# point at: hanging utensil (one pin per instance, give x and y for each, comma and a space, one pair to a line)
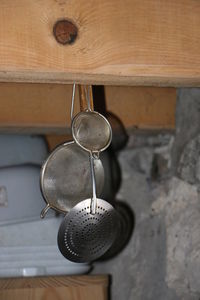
89, 229
65, 179
91, 130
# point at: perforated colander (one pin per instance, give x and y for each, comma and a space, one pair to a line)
83, 236
89, 229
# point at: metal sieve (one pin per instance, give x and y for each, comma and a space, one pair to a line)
90, 129
65, 178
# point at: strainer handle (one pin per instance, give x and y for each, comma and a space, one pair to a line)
94, 196
44, 211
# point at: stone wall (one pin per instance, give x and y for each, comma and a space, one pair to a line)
160, 174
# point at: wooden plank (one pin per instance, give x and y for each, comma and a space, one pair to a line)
56, 281
143, 107
131, 42
51, 288
45, 108
62, 293
54, 140
35, 108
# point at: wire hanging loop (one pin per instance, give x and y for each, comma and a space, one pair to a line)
73, 99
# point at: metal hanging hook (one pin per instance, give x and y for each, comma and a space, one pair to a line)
87, 94
85, 99
73, 97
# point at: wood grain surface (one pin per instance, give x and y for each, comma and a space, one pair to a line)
62, 293
55, 288
57, 281
129, 42
45, 108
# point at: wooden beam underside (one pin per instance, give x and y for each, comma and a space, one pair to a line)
129, 42
45, 108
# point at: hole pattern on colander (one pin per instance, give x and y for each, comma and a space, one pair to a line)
86, 236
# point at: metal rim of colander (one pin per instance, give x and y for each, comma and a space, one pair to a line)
81, 214
74, 135
42, 174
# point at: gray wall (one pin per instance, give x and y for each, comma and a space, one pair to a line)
160, 182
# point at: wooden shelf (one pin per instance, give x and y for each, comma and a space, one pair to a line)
132, 42
52, 288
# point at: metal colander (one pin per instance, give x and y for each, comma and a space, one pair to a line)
84, 237
89, 229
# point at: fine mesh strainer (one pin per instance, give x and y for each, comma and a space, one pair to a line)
89, 229
90, 129
65, 178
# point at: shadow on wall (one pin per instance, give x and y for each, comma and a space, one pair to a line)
113, 175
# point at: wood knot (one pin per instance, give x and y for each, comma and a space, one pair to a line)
65, 32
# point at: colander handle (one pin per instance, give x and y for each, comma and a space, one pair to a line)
93, 205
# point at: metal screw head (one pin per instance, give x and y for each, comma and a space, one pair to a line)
65, 32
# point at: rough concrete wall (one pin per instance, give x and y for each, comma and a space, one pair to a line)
162, 259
